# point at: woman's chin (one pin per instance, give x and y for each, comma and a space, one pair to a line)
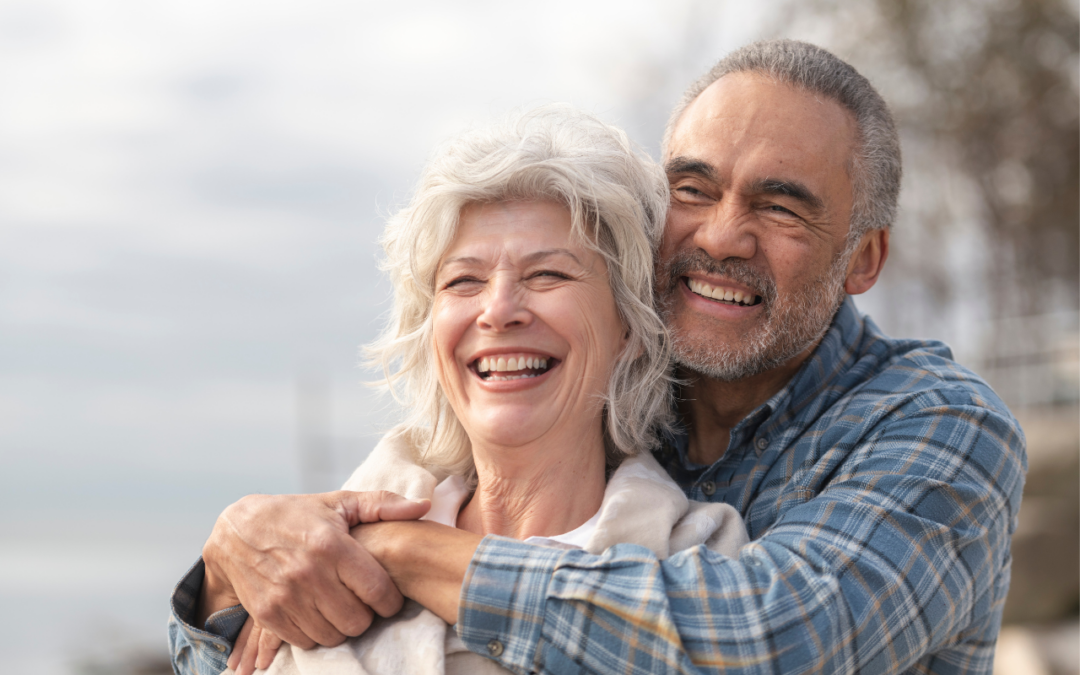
510, 435
511, 426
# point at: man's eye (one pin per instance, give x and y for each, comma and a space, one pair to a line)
776, 208
690, 195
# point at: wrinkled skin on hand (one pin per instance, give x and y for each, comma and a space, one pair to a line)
290, 561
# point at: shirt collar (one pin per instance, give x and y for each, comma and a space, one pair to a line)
815, 386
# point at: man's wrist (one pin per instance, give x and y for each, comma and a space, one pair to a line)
215, 594
427, 561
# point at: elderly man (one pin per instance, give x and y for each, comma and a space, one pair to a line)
879, 480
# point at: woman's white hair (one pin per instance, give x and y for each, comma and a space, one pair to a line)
617, 198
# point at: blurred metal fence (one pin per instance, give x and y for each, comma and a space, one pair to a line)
1031, 361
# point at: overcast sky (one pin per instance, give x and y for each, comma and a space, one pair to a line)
190, 194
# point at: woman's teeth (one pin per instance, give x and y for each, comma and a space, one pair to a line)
515, 367
719, 293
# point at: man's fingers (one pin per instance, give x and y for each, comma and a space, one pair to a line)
241, 640
293, 623
369, 581
251, 650
346, 612
398, 508
371, 507
268, 647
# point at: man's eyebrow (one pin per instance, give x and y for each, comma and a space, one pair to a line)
688, 165
788, 188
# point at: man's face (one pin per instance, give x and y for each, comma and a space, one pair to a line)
752, 264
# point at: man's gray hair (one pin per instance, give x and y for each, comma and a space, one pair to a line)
875, 163
617, 198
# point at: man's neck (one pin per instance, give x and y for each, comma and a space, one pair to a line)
711, 408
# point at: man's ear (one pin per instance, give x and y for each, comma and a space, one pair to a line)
867, 261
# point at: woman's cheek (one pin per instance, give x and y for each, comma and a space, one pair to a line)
450, 322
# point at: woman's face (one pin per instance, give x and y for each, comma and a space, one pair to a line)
525, 326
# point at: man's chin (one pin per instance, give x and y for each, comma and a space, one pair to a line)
727, 354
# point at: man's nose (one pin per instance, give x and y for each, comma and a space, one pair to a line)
504, 308
727, 232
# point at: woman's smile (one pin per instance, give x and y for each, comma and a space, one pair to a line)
512, 366
525, 329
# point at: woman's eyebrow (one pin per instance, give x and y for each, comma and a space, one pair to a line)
537, 256
529, 259
460, 260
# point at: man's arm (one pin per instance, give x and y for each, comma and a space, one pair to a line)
901, 555
426, 561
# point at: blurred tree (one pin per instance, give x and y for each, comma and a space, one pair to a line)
984, 90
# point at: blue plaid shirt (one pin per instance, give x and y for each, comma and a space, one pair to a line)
880, 487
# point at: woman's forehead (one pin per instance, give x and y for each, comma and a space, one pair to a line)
525, 228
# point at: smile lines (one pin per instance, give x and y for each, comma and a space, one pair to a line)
723, 294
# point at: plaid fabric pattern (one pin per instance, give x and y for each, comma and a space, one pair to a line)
194, 651
881, 488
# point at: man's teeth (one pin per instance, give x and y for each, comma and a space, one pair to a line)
719, 293
512, 364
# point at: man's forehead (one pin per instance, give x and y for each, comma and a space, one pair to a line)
741, 102
776, 130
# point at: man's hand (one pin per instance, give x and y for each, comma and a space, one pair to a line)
426, 561
255, 649
290, 561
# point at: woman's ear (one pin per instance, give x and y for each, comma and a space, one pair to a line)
867, 262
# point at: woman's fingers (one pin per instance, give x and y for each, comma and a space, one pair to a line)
268, 647
241, 641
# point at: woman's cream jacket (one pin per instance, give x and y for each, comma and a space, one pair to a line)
641, 505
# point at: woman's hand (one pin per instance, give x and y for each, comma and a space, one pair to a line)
255, 649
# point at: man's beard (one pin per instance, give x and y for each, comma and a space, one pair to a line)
791, 324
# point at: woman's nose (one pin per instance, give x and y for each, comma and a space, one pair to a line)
505, 309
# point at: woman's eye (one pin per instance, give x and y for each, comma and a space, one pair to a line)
460, 281
550, 273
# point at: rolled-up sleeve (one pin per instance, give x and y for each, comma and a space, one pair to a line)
899, 562
195, 651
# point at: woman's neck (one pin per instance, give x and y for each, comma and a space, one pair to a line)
543, 489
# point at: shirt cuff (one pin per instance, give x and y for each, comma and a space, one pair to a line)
196, 650
503, 598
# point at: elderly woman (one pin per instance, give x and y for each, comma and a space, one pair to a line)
524, 347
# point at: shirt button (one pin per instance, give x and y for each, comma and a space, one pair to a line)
495, 648
221, 648
762, 443
708, 487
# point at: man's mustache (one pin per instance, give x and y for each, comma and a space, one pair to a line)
735, 269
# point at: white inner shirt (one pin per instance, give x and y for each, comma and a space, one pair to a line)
450, 494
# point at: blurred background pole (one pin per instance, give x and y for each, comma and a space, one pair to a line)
314, 441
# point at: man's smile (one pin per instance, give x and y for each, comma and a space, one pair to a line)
731, 296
